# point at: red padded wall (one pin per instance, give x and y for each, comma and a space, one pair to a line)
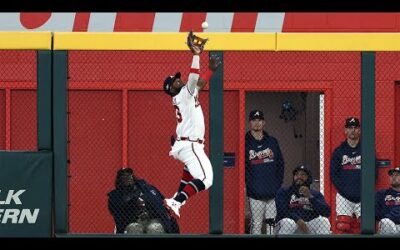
95, 155
23, 120
2, 120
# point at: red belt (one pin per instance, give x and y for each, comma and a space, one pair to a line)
187, 139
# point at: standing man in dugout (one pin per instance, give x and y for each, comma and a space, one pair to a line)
264, 172
188, 146
345, 172
387, 205
301, 209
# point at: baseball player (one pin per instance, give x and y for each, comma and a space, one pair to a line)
301, 209
264, 172
387, 205
345, 172
189, 142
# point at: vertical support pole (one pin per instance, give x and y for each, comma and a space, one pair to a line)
44, 98
60, 86
216, 208
368, 142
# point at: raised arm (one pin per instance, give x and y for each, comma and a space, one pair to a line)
213, 64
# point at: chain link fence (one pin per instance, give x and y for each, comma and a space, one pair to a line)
119, 118
301, 175
18, 79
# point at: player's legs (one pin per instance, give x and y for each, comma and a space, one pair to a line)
186, 177
387, 226
257, 211
270, 214
319, 225
286, 226
200, 169
356, 222
344, 213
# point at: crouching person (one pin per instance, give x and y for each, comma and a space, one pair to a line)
301, 209
137, 206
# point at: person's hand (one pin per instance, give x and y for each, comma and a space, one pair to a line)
302, 226
305, 191
214, 62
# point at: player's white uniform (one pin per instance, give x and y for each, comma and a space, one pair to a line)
189, 147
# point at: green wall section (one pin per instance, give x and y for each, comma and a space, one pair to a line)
217, 148
25, 213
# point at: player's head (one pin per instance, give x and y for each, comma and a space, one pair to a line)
256, 120
125, 178
352, 128
394, 178
302, 176
173, 84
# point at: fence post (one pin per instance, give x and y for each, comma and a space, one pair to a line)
60, 68
44, 110
216, 209
368, 142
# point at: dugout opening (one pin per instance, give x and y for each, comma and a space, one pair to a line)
296, 120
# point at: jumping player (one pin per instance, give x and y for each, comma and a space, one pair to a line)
189, 143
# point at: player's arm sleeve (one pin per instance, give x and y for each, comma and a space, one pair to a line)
319, 204
280, 164
334, 168
246, 154
378, 206
194, 74
394, 214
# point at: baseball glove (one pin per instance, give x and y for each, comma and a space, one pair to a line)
196, 43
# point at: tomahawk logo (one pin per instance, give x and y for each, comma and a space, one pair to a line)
15, 215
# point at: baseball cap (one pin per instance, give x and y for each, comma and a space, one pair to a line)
256, 114
391, 171
352, 121
169, 80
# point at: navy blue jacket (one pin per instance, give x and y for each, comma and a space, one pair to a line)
345, 171
387, 205
264, 167
290, 204
123, 206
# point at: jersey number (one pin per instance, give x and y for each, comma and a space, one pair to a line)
178, 114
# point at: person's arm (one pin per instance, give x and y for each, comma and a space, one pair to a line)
194, 73
378, 206
319, 204
280, 164
335, 168
213, 64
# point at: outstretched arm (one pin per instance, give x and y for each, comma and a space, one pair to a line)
213, 65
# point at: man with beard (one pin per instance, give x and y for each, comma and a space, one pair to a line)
301, 209
387, 205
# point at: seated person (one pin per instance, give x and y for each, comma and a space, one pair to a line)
135, 201
301, 209
387, 205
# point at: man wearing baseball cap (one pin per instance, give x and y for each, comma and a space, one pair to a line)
345, 172
387, 205
264, 173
